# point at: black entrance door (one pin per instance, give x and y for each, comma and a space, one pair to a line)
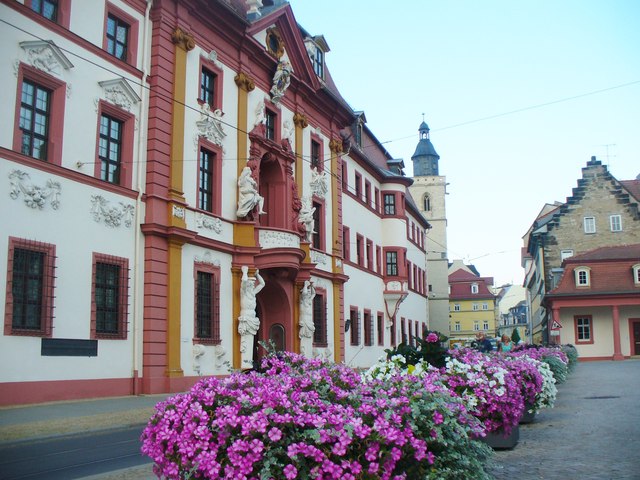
636, 337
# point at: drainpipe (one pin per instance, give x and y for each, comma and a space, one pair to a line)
138, 306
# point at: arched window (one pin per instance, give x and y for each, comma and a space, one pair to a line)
582, 276
426, 203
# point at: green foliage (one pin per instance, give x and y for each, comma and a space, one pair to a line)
430, 348
572, 354
558, 367
515, 336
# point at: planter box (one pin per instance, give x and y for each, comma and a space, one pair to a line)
498, 441
528, 417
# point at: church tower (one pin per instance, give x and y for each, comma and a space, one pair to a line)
429, 191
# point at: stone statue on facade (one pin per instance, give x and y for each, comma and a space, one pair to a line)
281, 80
307, 327
305, 217
248, 196
248, 322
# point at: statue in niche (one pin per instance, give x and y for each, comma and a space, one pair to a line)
307, 295
281, 80
248, 197
305, 217
249, 288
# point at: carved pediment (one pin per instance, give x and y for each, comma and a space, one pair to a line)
119, 92
46, 56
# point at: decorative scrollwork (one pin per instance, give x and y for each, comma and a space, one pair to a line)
112, 216
34, 196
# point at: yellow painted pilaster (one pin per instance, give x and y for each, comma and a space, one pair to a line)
174, 299
338, 334
300, 121
176, 212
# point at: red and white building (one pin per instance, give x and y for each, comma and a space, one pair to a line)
131, 122
596, 305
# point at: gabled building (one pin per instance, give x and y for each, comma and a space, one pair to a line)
472, 305
601, 212
596, 304
185, 182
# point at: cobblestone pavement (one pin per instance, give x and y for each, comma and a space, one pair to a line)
592, 433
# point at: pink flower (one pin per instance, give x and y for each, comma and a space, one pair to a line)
432, 337
290, 472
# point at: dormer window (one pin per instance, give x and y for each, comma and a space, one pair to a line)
582, 276
474, 288
318, 62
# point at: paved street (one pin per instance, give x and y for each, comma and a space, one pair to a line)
593, 433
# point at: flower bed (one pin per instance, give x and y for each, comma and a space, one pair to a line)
302, 418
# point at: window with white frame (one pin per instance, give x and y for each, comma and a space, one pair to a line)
636, 274
474, 288
584, 329
485, 306
589, 224
615, 221
456, 307
457, 327
485, 325
565, 254
582, 276
476, 326
476, 307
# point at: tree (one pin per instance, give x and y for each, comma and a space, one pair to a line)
515, 336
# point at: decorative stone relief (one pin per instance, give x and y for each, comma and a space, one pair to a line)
204, 221
319, 258
324, 353
281, 80
338, 262
34, 196
288, 131
112, 216
305, 217
273, 239
178, 212
210, 125
207, 258
198, 351
219, 352
319, 184
120, 93
213, 57
260, 115
46, 56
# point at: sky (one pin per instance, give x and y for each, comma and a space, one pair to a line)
518, 94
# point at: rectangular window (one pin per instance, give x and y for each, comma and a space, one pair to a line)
47, 8
380, 328
410, 332
389, 204
30, 283
270, 125
392, 264
315, 155
207, 304
360, 250
485, 306
616, 223
403, 330
110, 297
319, 320
476, 307
368, 328
485, 325
457, 327
476, 326
206, 180
346, 245
367, 193
207, 87
584, 332
117, 37
34, 119
376, 199
317, 240
354, 317
565, 254
379, 259
583, 278
393, 331
589, 225
456, 307
109, 148
318, 63
358, 186
370, 255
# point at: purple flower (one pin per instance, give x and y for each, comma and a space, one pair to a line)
432, 337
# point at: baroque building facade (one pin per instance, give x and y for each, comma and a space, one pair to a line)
186, 184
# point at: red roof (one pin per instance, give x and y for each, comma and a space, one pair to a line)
633, 187
610, 272
460, 285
